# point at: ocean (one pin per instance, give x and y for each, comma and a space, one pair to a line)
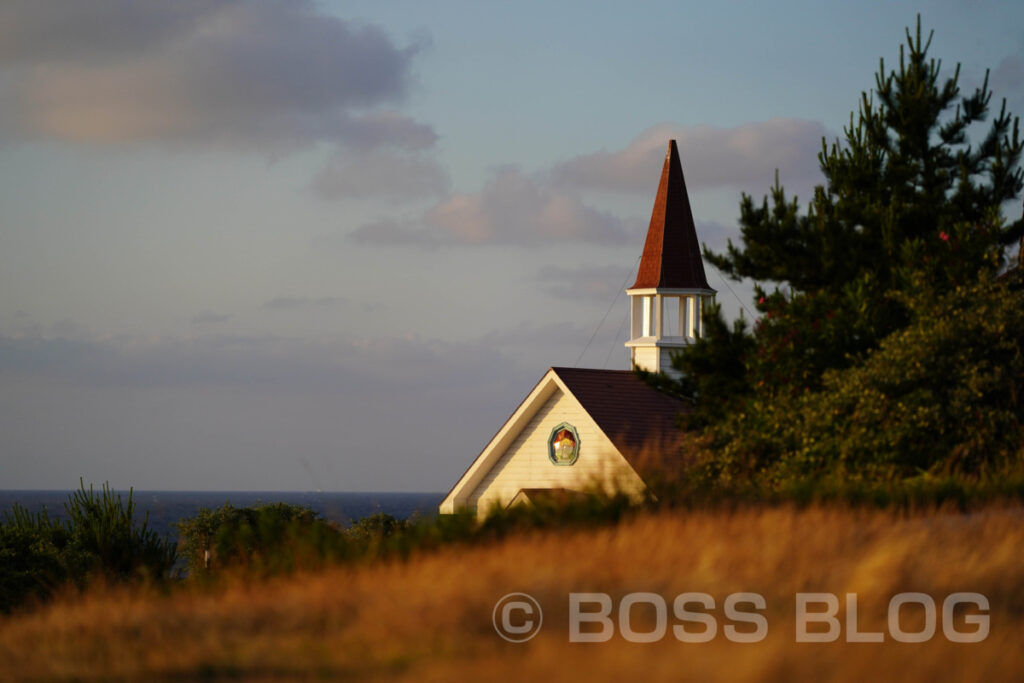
167, 507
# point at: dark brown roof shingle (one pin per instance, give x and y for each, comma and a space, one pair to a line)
640, 420
671, 257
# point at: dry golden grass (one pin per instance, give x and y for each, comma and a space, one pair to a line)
430, 618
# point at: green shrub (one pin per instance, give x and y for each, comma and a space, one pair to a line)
99, 541
103, 536
376, 527
559, 509
266, 539
940, 399
280, 538
31, 565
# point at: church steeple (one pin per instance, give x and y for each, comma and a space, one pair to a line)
667, 299
671, 257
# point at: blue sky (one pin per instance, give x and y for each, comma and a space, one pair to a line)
250, 244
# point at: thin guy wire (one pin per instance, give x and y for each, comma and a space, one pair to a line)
612, 305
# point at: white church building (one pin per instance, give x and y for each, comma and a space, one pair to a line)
582, 428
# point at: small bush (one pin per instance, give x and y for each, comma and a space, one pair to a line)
585, 508
102, 535
99, 541
280, 538
266, 539
31, 564
376, 527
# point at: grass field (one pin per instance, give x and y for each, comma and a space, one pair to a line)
430, 618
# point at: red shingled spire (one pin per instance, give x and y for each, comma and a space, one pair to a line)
671, 258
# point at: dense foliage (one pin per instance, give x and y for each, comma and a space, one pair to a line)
886, 349
99, 541
269, 538
280, 538
943, 395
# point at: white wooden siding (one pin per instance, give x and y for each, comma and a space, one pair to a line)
525, 463
646, 357
665, 354
654, 358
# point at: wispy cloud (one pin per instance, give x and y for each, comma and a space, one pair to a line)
163, 411
715, 236
585, 283
513, 208
711, 157
1008, 81
210, 318
367, 364
551, 206
388, 231
397, 177
305, 303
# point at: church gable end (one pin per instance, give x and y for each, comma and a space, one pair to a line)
522, 457
527, 463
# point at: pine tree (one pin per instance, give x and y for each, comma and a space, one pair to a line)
909, 206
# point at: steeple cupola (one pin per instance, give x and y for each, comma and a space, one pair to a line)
668, 298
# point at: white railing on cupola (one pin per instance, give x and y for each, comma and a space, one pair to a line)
662, 320
675, 317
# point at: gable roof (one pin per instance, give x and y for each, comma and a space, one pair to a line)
671, 257
635, 416
637, 419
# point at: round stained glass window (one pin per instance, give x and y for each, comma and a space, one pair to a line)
564, 444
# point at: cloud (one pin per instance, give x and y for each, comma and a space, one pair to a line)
82, 31
210, 318
386, 231
711, 157
305, 303
385, 174
187, 413
388, 129
549, 206
512, 209
270, 75
715, 236
541, 337
1009, 74
242, 361
587, 283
